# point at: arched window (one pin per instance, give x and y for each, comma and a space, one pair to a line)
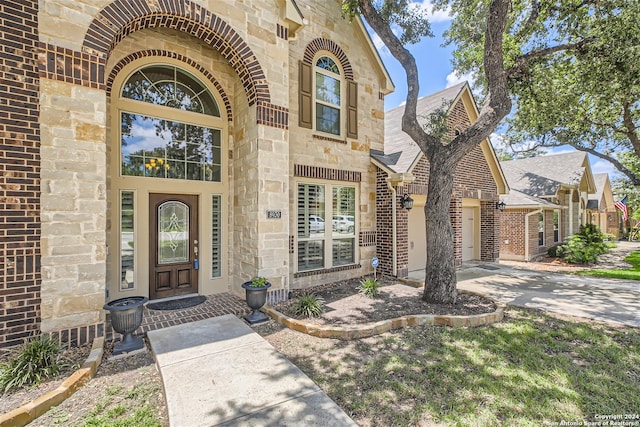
328, 97
166, 118
328, 101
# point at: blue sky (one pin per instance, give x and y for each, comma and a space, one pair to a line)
436, 73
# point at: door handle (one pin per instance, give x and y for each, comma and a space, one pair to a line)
196, 264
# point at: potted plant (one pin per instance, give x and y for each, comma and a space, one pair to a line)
256, 297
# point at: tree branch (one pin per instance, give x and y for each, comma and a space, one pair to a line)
635, 179
630, 126
523, 62
410, 123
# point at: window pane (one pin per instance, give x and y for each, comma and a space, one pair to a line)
171, 87
310, 255
216, 236
173, 232
540, 230
127, 237
311, 202
327, 119
159, 148
327, 89
328, 64
343, 252
343, 210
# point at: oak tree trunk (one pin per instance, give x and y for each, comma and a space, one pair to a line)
440, 274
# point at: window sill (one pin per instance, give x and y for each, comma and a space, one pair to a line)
329, 138
326, 270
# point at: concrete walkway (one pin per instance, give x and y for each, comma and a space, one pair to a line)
219, 372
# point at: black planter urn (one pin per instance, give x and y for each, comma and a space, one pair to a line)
126, 317
256, 297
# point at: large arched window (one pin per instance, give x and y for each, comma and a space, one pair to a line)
166, 116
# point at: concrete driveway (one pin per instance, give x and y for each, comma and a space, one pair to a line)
594, 298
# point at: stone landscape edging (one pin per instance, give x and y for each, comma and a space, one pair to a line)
28, 412
376, 328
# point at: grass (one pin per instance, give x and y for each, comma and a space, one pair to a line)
632, 273
121, 407
528, 370
118, 407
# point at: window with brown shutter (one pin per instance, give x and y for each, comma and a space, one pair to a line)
352, 109
305, 114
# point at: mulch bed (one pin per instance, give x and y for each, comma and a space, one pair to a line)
353, 305
71, 359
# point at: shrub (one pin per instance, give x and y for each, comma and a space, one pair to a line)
308, 305
369, 287
555, 251
36, 360
585, 246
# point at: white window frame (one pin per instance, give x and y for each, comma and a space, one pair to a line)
343, 94
329, 235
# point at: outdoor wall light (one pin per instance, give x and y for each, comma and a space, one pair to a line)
406, 202
501, 206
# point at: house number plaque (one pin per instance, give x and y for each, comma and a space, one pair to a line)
274, 214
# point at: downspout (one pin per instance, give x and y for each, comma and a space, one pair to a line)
526, 231
394, 232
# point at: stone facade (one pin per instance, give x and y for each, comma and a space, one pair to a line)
60, 182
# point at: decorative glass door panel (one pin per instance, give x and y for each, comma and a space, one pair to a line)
173, 230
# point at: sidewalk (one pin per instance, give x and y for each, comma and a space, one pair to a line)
219, 372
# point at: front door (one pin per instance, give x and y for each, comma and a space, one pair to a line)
173, 245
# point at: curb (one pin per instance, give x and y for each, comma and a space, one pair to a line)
32, 410
376, 328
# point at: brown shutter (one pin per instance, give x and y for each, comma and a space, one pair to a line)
352, 109
305, 100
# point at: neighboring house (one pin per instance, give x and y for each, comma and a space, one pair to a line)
162, 148
601, 209
404, 169
547, 203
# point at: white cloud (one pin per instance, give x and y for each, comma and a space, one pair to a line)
434, 16
379, 44
498, 141
455, 77
602, 166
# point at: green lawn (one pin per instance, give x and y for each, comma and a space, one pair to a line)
632, 273
529, 370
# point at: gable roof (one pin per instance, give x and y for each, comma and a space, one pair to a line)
401, 153
602, 182
516, 199
542, 176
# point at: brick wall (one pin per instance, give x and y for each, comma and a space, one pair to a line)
511, 238
19, 172
473, 176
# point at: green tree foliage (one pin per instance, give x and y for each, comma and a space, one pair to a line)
506, 44
586, 97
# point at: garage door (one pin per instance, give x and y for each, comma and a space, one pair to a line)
417, 239
469, 233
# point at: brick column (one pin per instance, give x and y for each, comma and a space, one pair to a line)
19, 172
